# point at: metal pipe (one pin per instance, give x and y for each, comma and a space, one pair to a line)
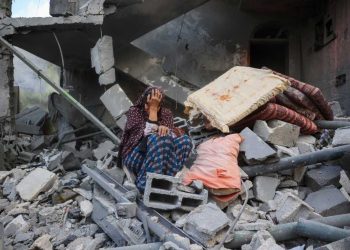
297, 161
287, 231
150, 246
64, 93
319, 231
332, 124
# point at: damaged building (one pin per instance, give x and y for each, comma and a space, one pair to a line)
270, 77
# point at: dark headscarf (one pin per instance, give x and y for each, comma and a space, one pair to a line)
136, 122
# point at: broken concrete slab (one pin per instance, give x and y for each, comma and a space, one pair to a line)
255, 226
42, 243
323, 176
3, 175
16, 225
63, 7
250, 214
277, 132
291, 208
286, 152
117, 103
309, 139
336, 108
305, 147
341, 137
86, 208
107, 77
265, 187
254, 147
37, 181
344, 181
205, 222
102, 56
262, 240
103, 149
328, 201
343, 244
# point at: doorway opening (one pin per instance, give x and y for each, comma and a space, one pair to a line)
269, 48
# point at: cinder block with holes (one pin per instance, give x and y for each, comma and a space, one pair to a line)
161, 193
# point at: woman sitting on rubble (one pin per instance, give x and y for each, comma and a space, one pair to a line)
150, 142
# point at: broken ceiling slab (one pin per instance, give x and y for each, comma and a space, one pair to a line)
117, 103
102, 57
234, 95
46, 23
148, 70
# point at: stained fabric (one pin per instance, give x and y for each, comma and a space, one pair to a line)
136, 123
273, 111
234, 95
216, 163
165, 155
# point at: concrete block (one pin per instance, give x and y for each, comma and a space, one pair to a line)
37, 181
117, 103
250, 214
254, 147
262, 240
306, 139
305, 147
283, 152
277, 132
255, 226
3, 175
344, 181
102, 56
341, 137
49, 215
328, 201
63, 7
265, 188
336, 108
291, 208
85, 208
161, 192
323, 176
107, 77
205, 222
43, 243
16, 225
299, 173
343, 244
103, 149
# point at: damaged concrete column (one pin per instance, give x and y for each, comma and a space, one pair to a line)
102, 59
6, 72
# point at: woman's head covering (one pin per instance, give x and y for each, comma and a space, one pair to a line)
136, 122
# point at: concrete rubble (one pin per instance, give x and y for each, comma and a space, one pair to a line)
61, 186
50, 206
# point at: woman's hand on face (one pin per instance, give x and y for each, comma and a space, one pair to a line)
154, 99
163, 130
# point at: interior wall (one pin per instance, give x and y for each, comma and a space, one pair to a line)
322, 67
207, 41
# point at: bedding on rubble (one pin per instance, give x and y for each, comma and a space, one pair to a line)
273, 111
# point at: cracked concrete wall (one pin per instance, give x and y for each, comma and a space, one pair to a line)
207, 41
32, 89
6, 69
322, 67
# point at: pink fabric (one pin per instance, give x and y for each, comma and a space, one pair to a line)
216, 164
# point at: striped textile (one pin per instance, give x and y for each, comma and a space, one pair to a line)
273, 111
164, 155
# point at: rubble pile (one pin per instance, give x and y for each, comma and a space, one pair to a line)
68, 193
